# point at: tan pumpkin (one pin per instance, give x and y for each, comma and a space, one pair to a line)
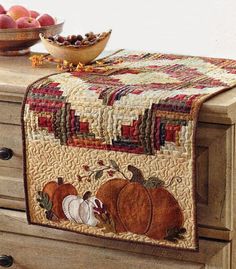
140, 210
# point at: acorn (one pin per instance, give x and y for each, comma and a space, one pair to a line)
71, 38
78, 43
59, 39
66, 43
79, 37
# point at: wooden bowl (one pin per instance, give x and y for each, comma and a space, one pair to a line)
75, 55
18, 41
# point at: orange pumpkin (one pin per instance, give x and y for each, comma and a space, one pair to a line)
56, 192
140, 210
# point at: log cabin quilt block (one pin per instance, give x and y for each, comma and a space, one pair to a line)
109, 150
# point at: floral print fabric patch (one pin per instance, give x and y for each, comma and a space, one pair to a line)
110, 151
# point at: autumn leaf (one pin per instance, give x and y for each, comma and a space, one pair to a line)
175, 234
106, 223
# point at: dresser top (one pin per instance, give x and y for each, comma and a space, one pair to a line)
16, 74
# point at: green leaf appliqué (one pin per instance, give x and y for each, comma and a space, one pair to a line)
98, 174
154, 182
44, 200
114, 165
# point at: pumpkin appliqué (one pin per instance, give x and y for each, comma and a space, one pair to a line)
51, 197
121, 204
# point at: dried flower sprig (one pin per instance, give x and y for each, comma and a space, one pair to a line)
62, 65
37, 60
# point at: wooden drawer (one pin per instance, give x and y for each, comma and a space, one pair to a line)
12, 188
33, 247
10, 137
215, 168
37, 253
10, 113
214, 173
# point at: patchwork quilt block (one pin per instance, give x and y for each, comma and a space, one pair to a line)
110, 152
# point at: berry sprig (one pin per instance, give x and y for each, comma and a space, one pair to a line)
96, 173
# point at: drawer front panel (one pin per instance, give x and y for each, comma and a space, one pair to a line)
11, 190
215, 165
10, 113
11, 183
211, 253
38, 253
10, 137
214, 171
95, 251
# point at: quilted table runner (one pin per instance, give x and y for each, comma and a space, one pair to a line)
109, 150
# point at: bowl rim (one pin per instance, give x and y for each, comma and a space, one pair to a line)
71, 47
60, 22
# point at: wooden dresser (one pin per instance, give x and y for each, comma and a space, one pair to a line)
34, 247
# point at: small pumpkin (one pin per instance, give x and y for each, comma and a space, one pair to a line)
139, 209
81, 209
56, 192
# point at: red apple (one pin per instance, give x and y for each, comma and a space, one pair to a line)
27, 22
34, 14
46, 20
17, 12
2, 10
6, 22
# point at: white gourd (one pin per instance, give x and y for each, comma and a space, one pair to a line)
79, 210
91, 219
70, 206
